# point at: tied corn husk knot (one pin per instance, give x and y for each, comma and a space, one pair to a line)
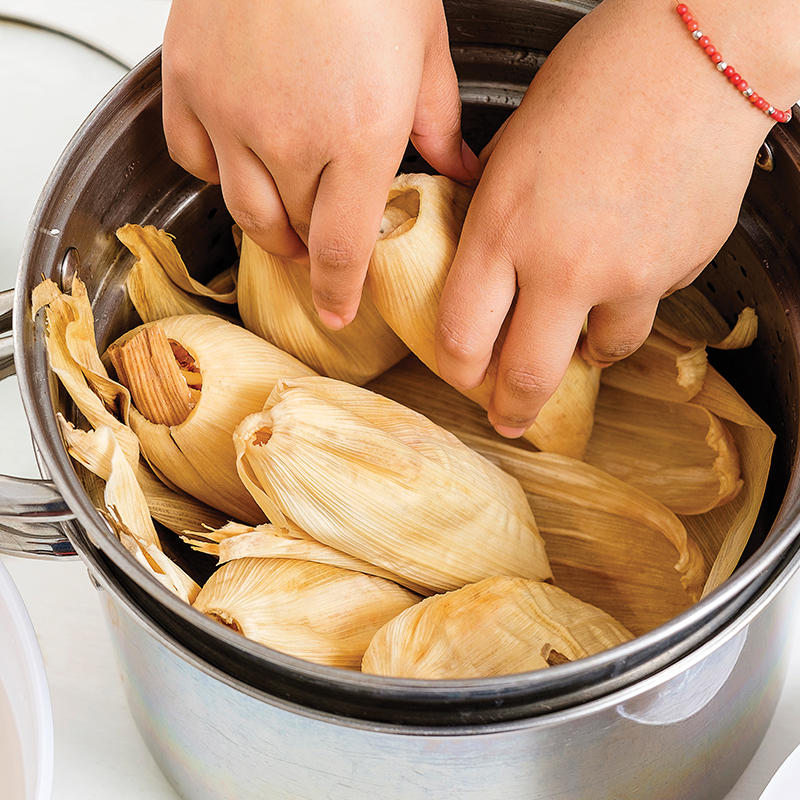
371, 478
497, 626
313, 611
408, 269
193, 378
275, 302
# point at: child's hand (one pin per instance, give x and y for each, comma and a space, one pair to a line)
614, 183
303, 110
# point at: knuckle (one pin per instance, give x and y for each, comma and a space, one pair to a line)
455, 340
617, 349
257, 224
526, 384
335, 256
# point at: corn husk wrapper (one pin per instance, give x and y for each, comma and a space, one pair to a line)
150, 244
371, 478
722, 533
660, 368
498, 626
680, 453
409, 266
235, 540
313, 611
275, 302
185, 432
687, 317
609, 544
153, 292
124, 504
72, 353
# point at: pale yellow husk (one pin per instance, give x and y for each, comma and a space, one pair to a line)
660, 368
125, 506
408, 270
151, 290
313, 611
238, 371
72, 353
680, 453
269, 541
275, 302
497, 626
688, 317
371, 478
609, 543
723, 532
157, 247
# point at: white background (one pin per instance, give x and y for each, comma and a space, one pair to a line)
47, 86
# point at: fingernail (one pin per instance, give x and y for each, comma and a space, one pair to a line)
508, 432
470, 161
331, 320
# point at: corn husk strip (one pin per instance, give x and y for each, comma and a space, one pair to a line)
498, 626
146, 364
99, 452
275, 302
723, 532
155, 296
313, 611
158, 563
73, 357
149, 244
238, 371
688, 317
408, 270
269, 541
679, 453
373, 479
226, 280
660, 368
175, 509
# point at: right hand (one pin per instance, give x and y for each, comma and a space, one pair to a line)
302, 111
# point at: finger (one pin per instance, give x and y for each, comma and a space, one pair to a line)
615, 330
345, 220
489, 148
253, 201
437, 121
541, 339
479, 290
297, 187
188, 142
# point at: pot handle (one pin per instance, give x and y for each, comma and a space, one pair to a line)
31, 511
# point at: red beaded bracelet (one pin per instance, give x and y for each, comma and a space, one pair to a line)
727, 70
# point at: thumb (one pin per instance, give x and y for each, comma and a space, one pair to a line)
437, 121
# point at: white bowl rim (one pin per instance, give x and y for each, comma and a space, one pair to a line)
31, 656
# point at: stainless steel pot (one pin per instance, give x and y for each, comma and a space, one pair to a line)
673, 714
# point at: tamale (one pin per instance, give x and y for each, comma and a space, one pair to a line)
314, 611
193, 378
366, 476
275, 302
497, 626
408, 270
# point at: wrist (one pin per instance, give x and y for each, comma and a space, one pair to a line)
762, 40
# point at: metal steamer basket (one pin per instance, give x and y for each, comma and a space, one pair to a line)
676, 713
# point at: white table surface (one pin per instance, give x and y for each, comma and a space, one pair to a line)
98, 752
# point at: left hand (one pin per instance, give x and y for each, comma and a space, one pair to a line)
615, 182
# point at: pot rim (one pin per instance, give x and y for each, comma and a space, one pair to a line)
728, 631
642, 655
